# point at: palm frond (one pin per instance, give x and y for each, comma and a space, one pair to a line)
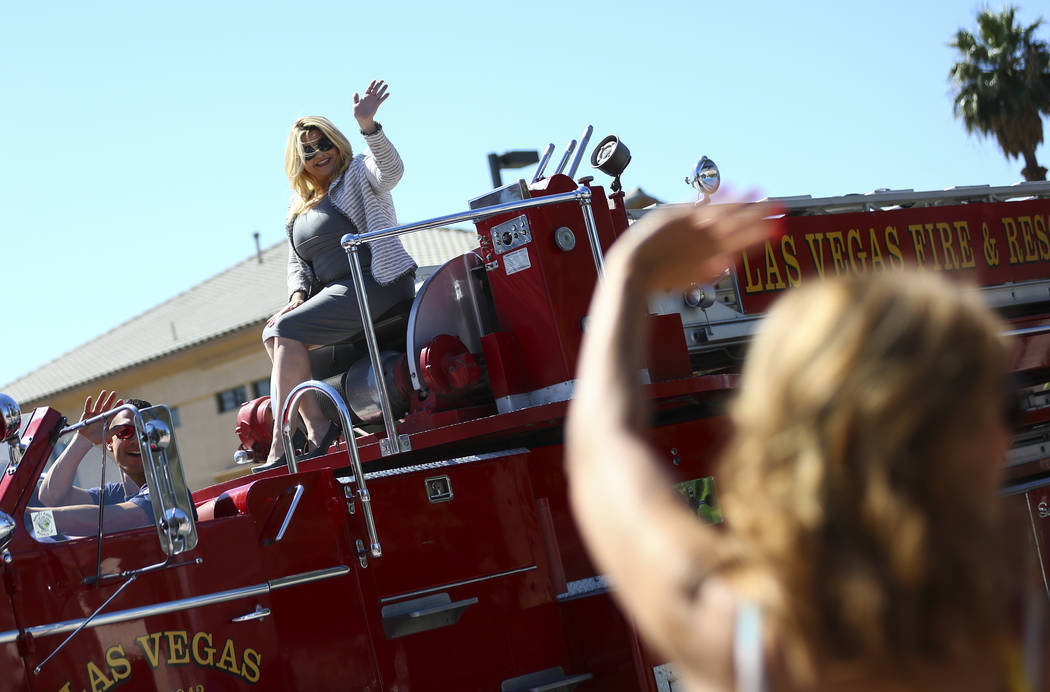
1001, 82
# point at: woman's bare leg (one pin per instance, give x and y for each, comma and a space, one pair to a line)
277, 441
291, 366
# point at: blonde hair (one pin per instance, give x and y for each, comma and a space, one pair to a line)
851, 473
295, 159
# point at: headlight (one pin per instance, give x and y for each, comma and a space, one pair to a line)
611, 157
699, 296
705, 178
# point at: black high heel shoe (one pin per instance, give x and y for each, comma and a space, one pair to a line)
278, 463
299, 441
333, 433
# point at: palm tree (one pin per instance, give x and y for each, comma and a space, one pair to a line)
1002, 85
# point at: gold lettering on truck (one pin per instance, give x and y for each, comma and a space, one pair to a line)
174, 648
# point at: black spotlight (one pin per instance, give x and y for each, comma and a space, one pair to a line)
611, 157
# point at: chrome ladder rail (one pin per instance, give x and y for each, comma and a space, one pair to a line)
288, 411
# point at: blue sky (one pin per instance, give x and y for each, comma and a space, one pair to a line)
144, 141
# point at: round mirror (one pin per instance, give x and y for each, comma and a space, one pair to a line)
10, 418
705, 178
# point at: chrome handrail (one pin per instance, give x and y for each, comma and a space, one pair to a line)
472, 215
592, 231
131, 408
288, 411
1026, 331
351, 241
291, 512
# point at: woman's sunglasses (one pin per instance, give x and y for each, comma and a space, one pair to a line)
323, 144
123, 432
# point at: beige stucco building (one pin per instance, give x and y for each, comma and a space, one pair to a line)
199, 353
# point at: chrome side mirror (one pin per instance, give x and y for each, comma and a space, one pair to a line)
7, 530
10, 424
10, 418
169, 493
705, 178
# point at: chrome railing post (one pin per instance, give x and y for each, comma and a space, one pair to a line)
583, 194
543, 162
353, 254
565, 157
584, 138
289, 409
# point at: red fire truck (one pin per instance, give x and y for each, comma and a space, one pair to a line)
436, 551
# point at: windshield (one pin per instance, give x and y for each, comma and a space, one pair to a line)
97, 468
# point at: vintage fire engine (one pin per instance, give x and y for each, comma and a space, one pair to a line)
437, 550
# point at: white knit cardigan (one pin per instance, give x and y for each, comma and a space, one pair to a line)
362, 194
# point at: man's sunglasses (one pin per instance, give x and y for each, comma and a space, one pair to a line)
123, 432
323, 144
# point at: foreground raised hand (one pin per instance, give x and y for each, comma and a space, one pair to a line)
93, 407
669, 250
365, 107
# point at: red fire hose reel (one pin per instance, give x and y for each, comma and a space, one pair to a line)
447, 367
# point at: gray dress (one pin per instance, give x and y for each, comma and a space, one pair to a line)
331, 315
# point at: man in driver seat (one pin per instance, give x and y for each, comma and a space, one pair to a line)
127, 501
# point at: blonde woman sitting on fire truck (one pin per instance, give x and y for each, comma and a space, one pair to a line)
73, 511
334, 193
859, 487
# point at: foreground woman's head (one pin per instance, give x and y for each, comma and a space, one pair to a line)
314, 140
871, 428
